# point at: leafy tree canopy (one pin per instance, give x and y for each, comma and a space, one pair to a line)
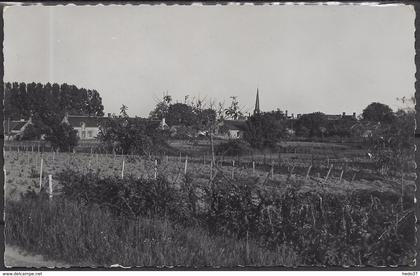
379, 113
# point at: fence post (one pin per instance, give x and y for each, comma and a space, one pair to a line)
307, 173
402, 191
328, 174
186, 164
40, 173
211, 169
50, 186
272, 169
233, 169
341, 175
253, 167
122, 170
155, 169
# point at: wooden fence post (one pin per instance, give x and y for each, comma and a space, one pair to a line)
307, 173
328, 174
122, 170
233, 169
40, 173
402, 191
155, 169
186, 164
341, 175
50, 186
211, 169
272, 169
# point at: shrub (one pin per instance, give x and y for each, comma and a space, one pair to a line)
232, 148
325, 228
87, 235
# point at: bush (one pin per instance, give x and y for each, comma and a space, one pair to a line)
363, 228
232, 148
325, 228
90, 235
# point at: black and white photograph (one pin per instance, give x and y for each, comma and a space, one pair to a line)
208, 136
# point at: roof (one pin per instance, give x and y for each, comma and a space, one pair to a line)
16, 125
90, 121
95, 121
234, 124
333, 117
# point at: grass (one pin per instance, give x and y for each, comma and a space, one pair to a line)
67, 231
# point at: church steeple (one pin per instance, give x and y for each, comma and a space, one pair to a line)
257, 104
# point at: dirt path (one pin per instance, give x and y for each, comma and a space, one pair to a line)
16, 257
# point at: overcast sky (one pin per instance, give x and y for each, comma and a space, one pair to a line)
302, 58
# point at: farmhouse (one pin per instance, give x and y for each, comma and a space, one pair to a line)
232, 129
15, 129
87, 127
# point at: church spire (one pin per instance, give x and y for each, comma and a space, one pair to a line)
257, 104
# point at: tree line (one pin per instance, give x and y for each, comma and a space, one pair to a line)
23, 100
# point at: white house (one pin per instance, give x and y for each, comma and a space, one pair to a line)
87, 127
232, 129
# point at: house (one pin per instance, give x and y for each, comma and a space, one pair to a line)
232, 129
14, 129
87, 127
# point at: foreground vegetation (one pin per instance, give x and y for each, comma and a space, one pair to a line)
72, 232
223, 222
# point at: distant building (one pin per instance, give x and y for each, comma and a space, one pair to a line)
342, 116
87, 127
257, 104
14, 129
232, 129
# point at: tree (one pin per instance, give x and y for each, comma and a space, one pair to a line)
22, 100
62, 136
264, 130
341, 127
379, 113
206, 118
123, 111
234, 111
311, 125
131, 135
181, 114
392, 144
161, 109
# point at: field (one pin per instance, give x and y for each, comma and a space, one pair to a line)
348, 173
284, 208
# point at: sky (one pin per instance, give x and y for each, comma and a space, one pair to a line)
302, 59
